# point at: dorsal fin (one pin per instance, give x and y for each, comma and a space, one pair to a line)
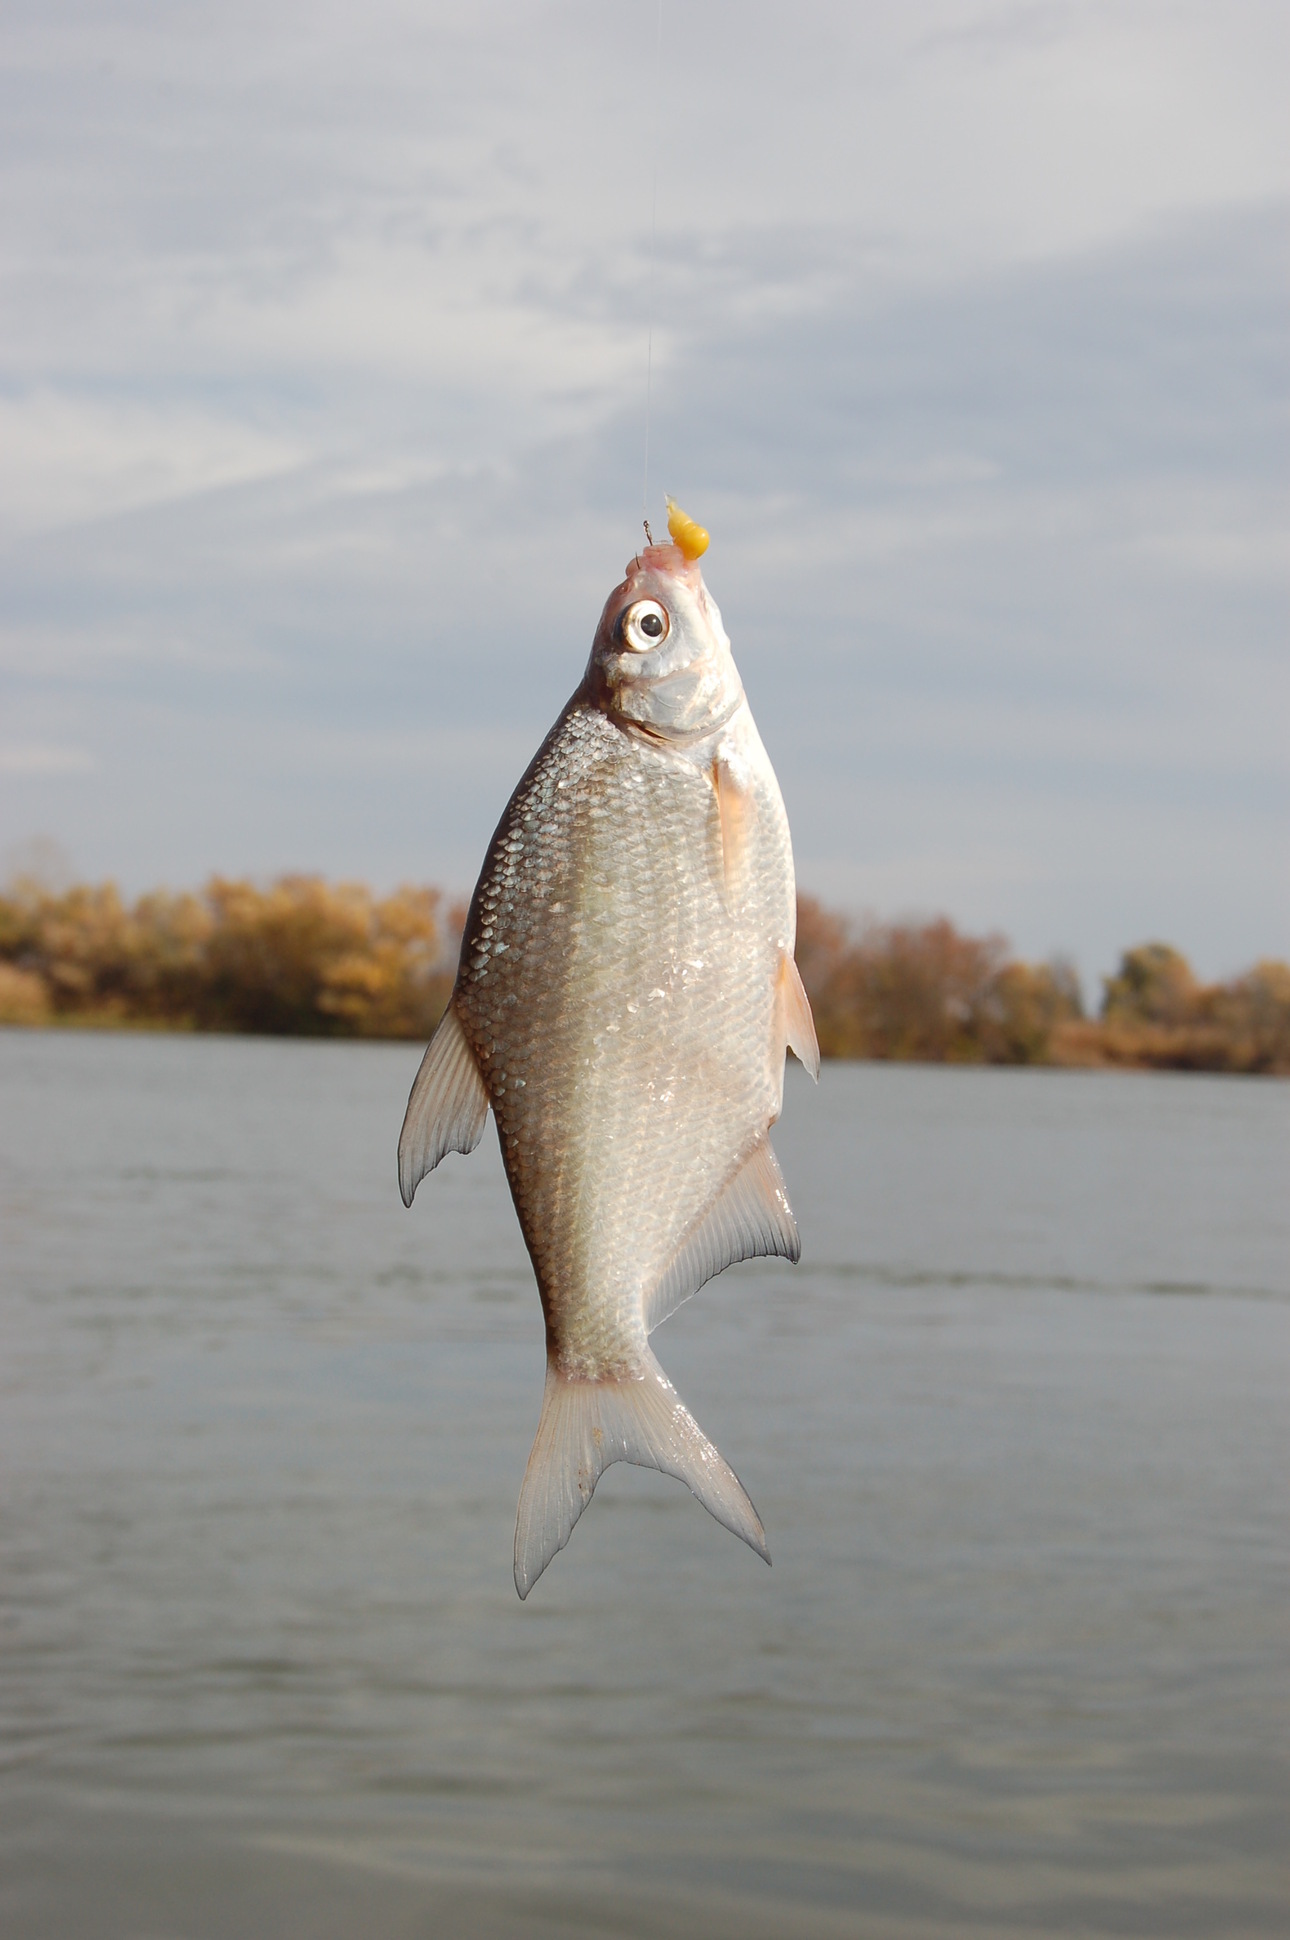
447, 1105
795, 1016
750, 1219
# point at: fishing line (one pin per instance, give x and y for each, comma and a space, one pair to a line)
653, 251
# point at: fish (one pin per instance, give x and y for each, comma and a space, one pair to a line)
624, 1002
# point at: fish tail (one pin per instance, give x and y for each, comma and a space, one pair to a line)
586, 1426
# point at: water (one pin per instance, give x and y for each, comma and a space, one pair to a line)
1016, 1427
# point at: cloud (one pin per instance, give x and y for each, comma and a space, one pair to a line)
65, 458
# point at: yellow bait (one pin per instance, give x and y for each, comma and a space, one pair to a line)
691, 538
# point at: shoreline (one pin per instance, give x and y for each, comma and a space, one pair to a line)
1116, 1059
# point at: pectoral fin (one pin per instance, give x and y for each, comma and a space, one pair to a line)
750, 1220
795, 1016
736, 809
446, 1108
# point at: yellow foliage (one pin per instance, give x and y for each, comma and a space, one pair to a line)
301, 957
24, 997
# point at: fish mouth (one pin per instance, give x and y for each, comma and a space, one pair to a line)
667, 559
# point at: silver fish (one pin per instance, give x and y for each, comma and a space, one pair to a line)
625, 996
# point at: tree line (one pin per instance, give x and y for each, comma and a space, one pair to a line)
304, 957
925, 991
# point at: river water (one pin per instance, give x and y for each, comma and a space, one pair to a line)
1016, 1427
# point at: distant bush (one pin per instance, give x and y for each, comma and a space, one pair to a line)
926, 991
300, 958
1155, 1012
23, 997
306, 958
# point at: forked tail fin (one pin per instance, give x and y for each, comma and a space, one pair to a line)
587, 1425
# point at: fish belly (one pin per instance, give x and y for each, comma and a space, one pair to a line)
618, 989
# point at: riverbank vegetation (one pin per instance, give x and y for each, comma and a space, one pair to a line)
303, 957
300, 958
926, 991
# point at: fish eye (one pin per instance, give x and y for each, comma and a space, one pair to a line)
643, 626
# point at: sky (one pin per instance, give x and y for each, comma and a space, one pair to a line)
323, 340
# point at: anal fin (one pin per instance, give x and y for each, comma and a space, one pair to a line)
447, 1106
751, 1219
795, 1016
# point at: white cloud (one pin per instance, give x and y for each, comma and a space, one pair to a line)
66, 458
469, 191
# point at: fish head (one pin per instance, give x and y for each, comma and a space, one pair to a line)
661, 661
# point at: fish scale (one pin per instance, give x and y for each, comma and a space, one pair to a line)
625, 996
